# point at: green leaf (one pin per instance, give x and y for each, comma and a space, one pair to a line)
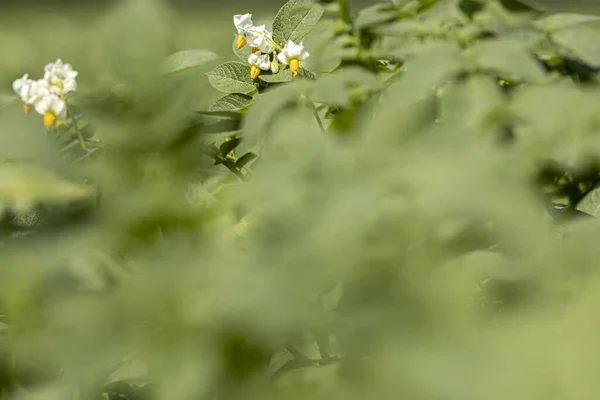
294, 20
229, 145
242, 53
591, 203
333, 89
232, 77
232, 114
315, 377
433, 63
582, 42
30, 184
326, 45
260, 116
469, 103
186, 59
496, 18
307, 74
231, 102
377, 14
564, 20
409, 102
556, 122
284, 75
519, 5
509, 58
245, 160
407, 27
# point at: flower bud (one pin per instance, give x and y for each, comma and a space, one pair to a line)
275, 65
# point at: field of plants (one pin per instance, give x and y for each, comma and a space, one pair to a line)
323, 199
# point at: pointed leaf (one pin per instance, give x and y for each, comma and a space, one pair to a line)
469, 103
307, 74
245, 160
22, 183
591, 203
582, 42
232, 77
508, 58
242, 53
332, 89
294, 20
284, 75
377, 14
564, 20
229, 145
260, 116
186, 59
232, 102
232, 114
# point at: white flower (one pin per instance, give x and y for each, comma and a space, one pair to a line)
61, 77
38, 90
22, 87
258, 62
260, 38
52, 107
292, 54
243, 24
30, 91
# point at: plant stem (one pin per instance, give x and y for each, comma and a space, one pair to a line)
345, 13
68, 146
293, 351
316, 114
77, 131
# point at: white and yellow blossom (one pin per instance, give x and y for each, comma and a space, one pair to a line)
23, 87
47, 95
30, 91
243, 24
292, 54
260, 39
52, 107
61, 77
258, 62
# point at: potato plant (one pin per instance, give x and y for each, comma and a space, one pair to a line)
398, 201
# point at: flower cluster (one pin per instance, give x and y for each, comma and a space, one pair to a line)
266, 54
47, 95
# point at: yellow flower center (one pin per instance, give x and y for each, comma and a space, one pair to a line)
49, 119
241, 42
26, 108
254, 71
294, 66
254, 49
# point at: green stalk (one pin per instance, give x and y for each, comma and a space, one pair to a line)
77, 131
345, 13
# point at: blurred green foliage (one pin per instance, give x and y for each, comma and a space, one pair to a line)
397, 221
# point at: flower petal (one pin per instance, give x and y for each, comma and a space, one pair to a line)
282, 58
